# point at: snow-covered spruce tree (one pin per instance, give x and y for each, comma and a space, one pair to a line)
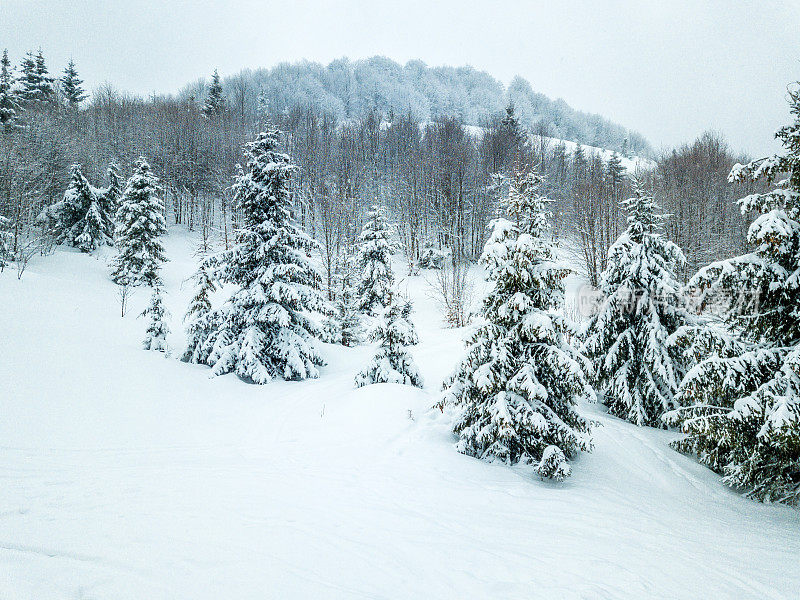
516, 389
36, 85
71, 86
264, 330
392, 362
197, 316
157, 328
215, 102
636, 370
374, 287
46, 91
741, 408
79, 219
140, 222
110, 196
8, 104
348, 318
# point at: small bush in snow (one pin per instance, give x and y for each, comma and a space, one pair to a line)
433, 257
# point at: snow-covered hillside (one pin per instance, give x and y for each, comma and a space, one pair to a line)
631, 164
127, 475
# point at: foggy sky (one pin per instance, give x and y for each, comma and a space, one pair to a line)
670, 70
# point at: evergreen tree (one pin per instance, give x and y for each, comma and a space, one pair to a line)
46, 91
36, 85
636, 370
615, 172
215, 102
512, 129
374, 260
742, 404
348, 317
8, 105
157, 328
265, 330
28, 80
392, 363
110, 196
71, 86
515, 391
79, 219
197, 315
140, 222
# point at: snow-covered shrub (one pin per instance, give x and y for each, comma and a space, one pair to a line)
515, 391
635, 369
392, 363
433, 257
140, 222
80, 218
264, 329
741, 408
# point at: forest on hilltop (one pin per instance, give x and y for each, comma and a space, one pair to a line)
348, 89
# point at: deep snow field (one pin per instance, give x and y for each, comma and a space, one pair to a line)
126, 475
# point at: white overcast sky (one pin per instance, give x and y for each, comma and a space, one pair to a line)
669, 69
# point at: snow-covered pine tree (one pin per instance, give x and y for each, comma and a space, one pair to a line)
636, 370
140, 222
71, 86
511, 128
28, 80
36, 85
516, 389
373, 289
110, 196
615, 171
79, 219
8, 105
346, 315
215, 102
742, 405
197, 316
45, 82
392, 363
264, 329
157, 328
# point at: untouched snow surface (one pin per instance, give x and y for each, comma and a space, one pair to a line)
127, 476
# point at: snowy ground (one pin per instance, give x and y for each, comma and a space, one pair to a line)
127, 475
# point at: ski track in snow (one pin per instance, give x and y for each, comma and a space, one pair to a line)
125, 475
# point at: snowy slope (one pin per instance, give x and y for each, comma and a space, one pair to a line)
631, 164
127, 475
